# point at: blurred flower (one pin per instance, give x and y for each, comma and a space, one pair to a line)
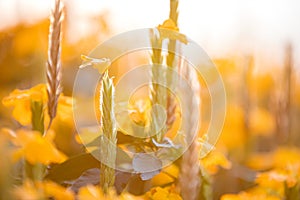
261, 122
284, 176
42, 190
248, 196
233, 128
213, 161
275, 179
91, 192
286, 156
35, 148
281, 158
36, 34
226, 67
260, 161
56, 191
167, 193
261, 84
27, 191
166, 176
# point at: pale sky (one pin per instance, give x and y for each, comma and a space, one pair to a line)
220, 27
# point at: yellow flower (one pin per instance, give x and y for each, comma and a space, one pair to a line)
276, 180
27, 191
286, 171
20, 100
139, 111
166, 176
37, 149
167, 193
91, 192
277, 177
126, 196
293, 177
272, 180
42, 190
260, 161
282, 158
214, 160
248, 196
285, 156
58, 192
169, 24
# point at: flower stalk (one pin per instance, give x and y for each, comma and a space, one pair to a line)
109, 137
189, 179
171, 81
54, 63
158, 93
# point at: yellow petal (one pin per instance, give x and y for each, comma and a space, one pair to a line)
37, 149
169, 24
89, 192
214, 160
20, 100
27, 191
22, 113
57, 191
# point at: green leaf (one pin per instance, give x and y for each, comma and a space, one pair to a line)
37, 117
292, 192
92, 177
72, 168
121, 139
123, 160
88, 177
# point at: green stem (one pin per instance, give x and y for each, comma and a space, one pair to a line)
35, 172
